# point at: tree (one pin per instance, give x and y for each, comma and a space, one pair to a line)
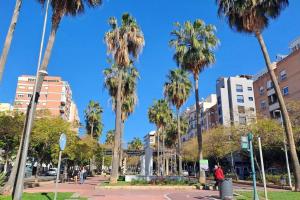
177, 89
194, 45
135, 144
11, 125
253, 17
129, 94
160, 114
110, 137
93, 119
9, 37
124, 44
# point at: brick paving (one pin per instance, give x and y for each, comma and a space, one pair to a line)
89, 190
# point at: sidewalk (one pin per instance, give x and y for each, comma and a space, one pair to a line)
90, 191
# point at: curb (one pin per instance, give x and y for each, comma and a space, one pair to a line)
147, 187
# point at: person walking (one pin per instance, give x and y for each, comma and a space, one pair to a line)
219, 176
81, 174
75, 175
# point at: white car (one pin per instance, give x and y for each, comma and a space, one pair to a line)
52, 172
185, 173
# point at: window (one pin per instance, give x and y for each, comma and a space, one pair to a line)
249, 88
272, 99
285, 91
241, 109
22, 87
269, 85
250, 98
20, 95
261, 90
251, 109
31, 79
29, 95
240, 98
263, 105
239, 88
242, 119
283, 75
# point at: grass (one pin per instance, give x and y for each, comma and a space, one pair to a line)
42, 196
271, 195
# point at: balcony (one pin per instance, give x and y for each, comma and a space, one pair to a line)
61, 109
63, 100
274, 106
271, 91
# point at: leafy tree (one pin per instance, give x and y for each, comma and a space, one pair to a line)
11, 126
194, 45
160, 114
124, 43
135, 144
253, 17
9, 36
93, 119
177, 89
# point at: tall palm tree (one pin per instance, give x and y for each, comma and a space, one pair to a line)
109, 138
93, 119
124, 43
135, 144
160, 114
177, 89
252, 17
9, 37
194, 45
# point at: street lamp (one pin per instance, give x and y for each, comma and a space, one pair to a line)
285, 149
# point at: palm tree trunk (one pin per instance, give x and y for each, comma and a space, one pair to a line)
164, 155
92, 130
285, 115
179, 144
121, 141
115, 160
9, 37
199, 131
158, 156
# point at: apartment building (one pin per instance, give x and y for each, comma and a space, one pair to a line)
55, 96
287, 69
208, 118
235, 100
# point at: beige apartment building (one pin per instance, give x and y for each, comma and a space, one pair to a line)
55, 96
287, 70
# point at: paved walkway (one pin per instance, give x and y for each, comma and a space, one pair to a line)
88, 190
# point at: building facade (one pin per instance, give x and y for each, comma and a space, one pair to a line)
235, 100
208, 118
287, 69
55, 96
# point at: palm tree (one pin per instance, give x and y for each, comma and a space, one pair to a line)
124, 43
253, 17
9, 37
177, 90
129, 95
109, 138
93, 119
135, 144
160, 114
194, 45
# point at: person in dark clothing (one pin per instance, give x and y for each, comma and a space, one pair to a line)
219, 175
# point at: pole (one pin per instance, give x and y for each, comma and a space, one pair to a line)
285, 152
250, 138
19, 180
57, 175
262, 168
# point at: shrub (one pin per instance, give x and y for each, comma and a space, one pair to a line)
2, 179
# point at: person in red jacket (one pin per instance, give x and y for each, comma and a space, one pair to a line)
219, 175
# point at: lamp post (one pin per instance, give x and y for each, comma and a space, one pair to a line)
285, 150
21, 163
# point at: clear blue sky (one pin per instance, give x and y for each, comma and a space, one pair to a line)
79, 53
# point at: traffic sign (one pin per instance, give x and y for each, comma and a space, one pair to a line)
62, 141
244, 143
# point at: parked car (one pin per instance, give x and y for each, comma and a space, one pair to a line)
52, 172
185, 173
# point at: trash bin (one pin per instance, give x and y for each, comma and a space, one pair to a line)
226, 191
